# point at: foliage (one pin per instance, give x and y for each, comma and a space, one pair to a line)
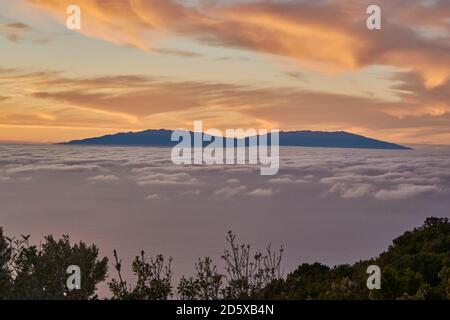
416, 266
39, 272
154, 279
206, 285
5, 271
246, 274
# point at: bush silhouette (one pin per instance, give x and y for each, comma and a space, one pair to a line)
415, 266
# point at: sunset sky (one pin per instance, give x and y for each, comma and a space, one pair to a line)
291, 65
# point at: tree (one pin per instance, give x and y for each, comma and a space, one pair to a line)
416, 266
32, 272
246, 274
154, 279
5, 272
206, 285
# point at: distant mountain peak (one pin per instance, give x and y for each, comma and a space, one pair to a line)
305, 138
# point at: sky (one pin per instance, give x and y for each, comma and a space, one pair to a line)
289, 65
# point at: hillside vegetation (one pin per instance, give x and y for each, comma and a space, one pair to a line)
415, 266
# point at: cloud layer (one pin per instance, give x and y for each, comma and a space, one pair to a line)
329, 36
334, 206
133, 102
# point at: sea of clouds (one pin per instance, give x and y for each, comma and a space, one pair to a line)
328, 205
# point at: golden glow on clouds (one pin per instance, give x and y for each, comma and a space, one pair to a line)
324, 49
327, 37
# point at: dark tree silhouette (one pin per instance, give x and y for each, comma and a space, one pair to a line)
32, 272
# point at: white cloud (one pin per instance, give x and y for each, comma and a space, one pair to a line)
285, 180
153, 196
352, 191
191, 193
50, 167
231, 191
166, 179
404, 191
261, 193
104, 178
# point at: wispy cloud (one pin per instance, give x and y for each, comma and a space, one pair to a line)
129, 101
14, 32
322, 35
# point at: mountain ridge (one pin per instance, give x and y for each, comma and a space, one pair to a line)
303, 138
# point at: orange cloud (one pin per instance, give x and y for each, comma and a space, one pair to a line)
329, 36
52, 99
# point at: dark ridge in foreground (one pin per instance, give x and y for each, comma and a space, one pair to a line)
162, 138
